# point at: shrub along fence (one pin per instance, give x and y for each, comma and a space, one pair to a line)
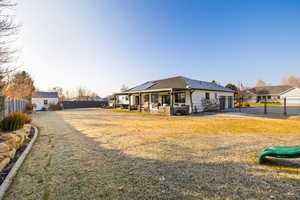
9, 105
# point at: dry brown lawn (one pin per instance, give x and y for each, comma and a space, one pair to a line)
107, 154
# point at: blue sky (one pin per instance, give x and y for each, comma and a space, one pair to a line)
102, 44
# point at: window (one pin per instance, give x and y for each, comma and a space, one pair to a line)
154, 98
180, 97
45, 102
269, 97
216, 96
126, 98
278, 97
166, 99
207, 95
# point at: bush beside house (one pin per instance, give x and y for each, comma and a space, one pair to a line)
53, 107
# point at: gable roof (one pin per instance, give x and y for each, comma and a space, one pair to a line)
271, 90
44, 95
179, 82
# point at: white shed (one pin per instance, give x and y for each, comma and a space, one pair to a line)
42, 100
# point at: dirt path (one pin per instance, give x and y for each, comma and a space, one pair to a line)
90, 154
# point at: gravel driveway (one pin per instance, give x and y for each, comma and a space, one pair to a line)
90, 154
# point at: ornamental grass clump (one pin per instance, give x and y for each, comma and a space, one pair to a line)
15, 121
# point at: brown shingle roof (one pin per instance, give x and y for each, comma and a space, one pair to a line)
174, 82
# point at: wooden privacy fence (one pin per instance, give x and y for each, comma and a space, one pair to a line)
9, 105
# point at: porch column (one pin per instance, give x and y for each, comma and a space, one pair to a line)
115, 101
171, 102
149, 101
191, 102
129, 101
140, 102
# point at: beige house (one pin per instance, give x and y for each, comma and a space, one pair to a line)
176, 95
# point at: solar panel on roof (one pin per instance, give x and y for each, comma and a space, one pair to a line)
205, 85
144, 86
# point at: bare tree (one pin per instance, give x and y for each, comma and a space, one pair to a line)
81, 92
60, 92
124, 88
8, 29
260, 83
67, 95
94, 96
292, 81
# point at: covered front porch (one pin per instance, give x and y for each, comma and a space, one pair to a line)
168, 101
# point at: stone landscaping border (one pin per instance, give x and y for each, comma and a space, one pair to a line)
9, 178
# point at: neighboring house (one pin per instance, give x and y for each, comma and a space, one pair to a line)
272, 94
42, 100
175, 94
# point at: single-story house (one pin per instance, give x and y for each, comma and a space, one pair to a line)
42, 100
272, 94
176, 95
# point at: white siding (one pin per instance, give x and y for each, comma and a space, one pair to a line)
292, 97
39, 102
123, 99
198, 95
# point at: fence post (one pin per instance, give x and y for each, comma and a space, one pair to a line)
284, 107
265, 108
